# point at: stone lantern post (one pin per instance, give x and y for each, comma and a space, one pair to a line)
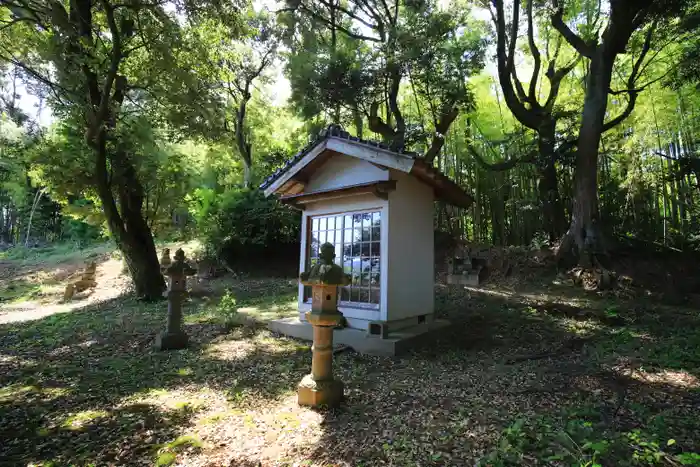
174, 336
319, 388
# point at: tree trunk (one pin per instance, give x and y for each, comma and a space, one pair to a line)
673, 193
37, 198
4, 212
584, 237
128, 227
141, 258
357, 117
244, 147
548, 185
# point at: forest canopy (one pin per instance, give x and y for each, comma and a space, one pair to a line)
573, 124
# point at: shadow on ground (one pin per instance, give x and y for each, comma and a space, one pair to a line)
71, 385
565, 377
66, 382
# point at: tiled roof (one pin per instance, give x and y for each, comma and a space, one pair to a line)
335, 131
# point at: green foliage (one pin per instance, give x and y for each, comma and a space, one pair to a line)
226, 310
186, 76
580, 438
167, 455
340, 74
244, 223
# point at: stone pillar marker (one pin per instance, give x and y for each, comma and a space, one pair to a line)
174, 336
319, 388
165, 260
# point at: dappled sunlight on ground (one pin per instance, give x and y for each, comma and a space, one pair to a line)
679, 379
271, 433
269, 313
543, 295
87, 387
261, 342
110, 284
37, 284
15, 391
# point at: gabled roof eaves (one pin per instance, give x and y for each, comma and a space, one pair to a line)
337, 132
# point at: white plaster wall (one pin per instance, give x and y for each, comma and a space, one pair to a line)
357, 317
341, 170
410, 281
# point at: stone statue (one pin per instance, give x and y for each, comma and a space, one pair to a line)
325, 271
87, 281
165, 260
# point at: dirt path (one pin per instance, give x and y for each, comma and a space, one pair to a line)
50, 283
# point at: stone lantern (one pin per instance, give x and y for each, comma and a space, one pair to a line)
174, 337
319, 388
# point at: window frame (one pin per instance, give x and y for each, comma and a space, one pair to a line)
306, 296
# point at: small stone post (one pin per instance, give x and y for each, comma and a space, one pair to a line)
319, 388
165, 260
174, 336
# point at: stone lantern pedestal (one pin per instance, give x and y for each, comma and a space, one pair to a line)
174, 337
320, 388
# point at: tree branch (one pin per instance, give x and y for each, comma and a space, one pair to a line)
54, 87
555, 78
350, 14
101, 116
631, 81
399, 134
327, 22
381, 26
447, 116
24, 8
137, 5
505, 66
501, 166
572, 38
15, 21
377, 125
535, 55
519, 89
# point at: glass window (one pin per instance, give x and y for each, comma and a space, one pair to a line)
356, 239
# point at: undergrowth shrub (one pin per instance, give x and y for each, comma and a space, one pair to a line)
582, 439
244, 228
226, 311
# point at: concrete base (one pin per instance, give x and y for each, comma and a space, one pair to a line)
165, 341
471, 277
317, 394
396, 342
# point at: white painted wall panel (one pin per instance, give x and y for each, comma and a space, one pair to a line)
341, 170
410, 279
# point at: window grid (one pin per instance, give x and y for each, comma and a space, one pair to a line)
356, 238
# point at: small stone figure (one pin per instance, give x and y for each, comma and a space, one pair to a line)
325, 271
165, 260
319, 388
87, 281
174, 336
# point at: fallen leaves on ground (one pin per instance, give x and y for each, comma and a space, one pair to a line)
87, 386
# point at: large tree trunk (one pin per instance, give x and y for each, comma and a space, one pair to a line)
126, 222
585, 237
548, 185
105, 94
141, 258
